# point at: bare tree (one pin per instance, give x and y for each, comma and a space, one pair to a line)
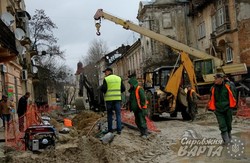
48, 54
42, 36
97, 49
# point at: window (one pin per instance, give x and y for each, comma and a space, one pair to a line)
203, 67
229, 54
164, 77
213, 23
220, 15
202, 30
219, 2
166, 20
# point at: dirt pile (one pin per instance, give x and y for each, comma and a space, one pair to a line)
72, 147
85, 122
160, 147
86, 149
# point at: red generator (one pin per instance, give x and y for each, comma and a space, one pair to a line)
39, 137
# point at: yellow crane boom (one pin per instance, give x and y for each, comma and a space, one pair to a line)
156, 36
234, 69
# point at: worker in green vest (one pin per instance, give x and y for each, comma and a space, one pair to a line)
222, 101
112, 88
138, 104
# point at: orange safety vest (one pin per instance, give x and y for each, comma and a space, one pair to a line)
138, 98
232, 100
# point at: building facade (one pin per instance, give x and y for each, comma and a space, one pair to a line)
14, 42
167, 18
221, 28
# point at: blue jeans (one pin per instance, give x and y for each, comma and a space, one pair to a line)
114, 106
6, 118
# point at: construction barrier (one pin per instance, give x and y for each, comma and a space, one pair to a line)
14, 132
129, 118
13, 137
243, 108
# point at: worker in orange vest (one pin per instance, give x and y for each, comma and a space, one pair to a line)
222, 101
137, 104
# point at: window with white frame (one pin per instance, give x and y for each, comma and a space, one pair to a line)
220, 15
202, 30
229, 54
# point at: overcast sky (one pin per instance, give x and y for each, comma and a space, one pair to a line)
76, 26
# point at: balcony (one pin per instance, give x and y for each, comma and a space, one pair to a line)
8, 49
223, 28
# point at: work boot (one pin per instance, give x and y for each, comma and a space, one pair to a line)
145, 137
225, 138
144, 132
141, 131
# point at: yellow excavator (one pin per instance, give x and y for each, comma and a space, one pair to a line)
169, 79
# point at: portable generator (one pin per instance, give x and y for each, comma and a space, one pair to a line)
39, 137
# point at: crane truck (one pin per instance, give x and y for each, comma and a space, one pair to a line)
164, 89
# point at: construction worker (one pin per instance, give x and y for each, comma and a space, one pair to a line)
112, 88
21, 110
137, 104
192, 102
5, 110
222, 100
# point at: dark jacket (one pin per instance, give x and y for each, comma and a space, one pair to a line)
22, 106
132, 98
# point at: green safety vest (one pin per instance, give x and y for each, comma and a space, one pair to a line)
113, 88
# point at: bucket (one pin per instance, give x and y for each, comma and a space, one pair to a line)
67, 123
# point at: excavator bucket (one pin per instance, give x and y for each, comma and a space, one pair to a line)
174, 81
